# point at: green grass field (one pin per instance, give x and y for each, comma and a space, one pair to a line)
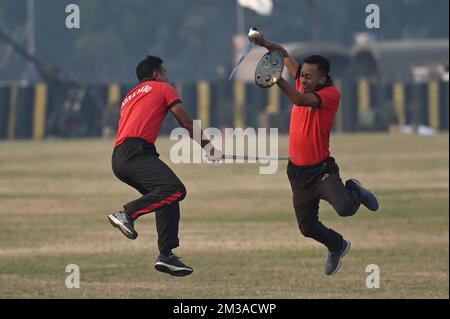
238, 228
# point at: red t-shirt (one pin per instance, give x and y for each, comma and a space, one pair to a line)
310, 128
144, 110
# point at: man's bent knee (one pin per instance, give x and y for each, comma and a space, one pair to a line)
180, 190
307, 229
347, 209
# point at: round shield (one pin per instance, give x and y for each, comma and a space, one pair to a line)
269, 69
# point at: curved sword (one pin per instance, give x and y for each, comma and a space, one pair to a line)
248, 48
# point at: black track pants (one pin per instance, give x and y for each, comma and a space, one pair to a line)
136, 163
310, 185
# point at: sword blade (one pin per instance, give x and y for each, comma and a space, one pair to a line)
248, 48
254, 158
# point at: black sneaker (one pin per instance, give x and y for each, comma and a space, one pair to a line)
334, 260
173, 266
368, 198
125, 223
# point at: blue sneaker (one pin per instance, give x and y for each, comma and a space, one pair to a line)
173, 266
368, 198
334, 260
125, 224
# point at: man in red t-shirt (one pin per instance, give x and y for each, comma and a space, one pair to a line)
312, 172
136, 162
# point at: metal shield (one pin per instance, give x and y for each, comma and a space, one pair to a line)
269, 69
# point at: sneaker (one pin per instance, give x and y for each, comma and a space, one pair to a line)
334, 260
173, 266
368, 198
125, 223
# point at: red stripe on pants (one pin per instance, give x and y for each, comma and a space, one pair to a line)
152, 207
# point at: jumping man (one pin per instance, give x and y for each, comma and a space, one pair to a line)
136, 162
312, 172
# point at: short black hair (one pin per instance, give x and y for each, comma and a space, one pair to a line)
322, 63
147, 66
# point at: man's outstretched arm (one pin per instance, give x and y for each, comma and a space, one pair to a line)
187, 123
309, 99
